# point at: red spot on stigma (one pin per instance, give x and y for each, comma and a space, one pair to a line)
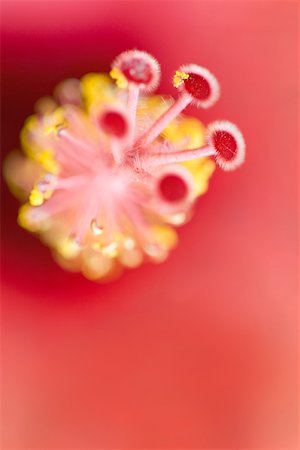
225, 144
113, 123
137, 70
197, 86
173, 188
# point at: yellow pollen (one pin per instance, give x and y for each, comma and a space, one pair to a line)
36, 198
46, 159
129, 243
97, 246
68, 248
131, 258
110, 250
54, 128
165, 236
121, 80
179, 78
177, 219
23, 219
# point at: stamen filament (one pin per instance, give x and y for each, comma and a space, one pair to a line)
69, 153
70, 138
116, 150
166, 118
81, 225
73, 149
71, 182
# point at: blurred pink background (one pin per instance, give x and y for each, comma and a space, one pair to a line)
201, 351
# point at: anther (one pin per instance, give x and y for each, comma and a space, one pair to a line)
36, 197
179, 77
69, 247
110, 250
47, 185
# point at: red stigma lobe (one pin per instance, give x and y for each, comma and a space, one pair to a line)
197, 86
225, 144
173, 188
137, 70
113, 123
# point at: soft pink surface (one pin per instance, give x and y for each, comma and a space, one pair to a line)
201, 351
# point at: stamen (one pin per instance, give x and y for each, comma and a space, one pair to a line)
95, 265
43, 190
47, 185
48, 161
164, 120
73, 148
68, 92
131, 258
36, 197
110, 250
68, 247
177, 219
62, 132
129, 243
32, 219
121, 80
72, 182
54, 128
156, 253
